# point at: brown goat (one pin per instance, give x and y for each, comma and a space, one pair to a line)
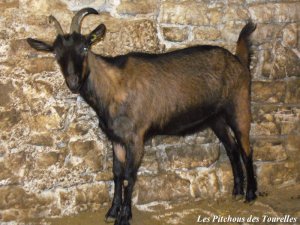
140, 95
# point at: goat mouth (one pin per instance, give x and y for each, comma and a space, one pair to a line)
74, 90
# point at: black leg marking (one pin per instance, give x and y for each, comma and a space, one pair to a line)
251, 180
134, 153
221, 130
240, 125
118, 171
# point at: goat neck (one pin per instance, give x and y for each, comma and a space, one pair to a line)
103, 81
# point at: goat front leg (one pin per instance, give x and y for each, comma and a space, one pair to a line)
119, 153
134, 153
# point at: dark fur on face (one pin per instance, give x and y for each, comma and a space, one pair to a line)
71, 52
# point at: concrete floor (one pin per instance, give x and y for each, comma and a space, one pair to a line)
282, 203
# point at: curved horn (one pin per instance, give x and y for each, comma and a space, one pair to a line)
57, 25
76, 21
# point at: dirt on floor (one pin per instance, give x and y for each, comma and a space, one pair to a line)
279, 206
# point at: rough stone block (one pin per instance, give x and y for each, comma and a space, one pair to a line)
184, 13
271, 120
93, 161
41, 139
45, 160
15, 162
5, 173
269, 150
43, 123
231, 30
285, 63
264, 129
269, 174
6, 90
290, 35
166, 140
293, 91
43, 7
76, 5
9, 118
81, 148
149, 163
162, 187
15, 197
92, 193
204, 137
191, 156
206, 33
265, 32
235, 12
215, 14
225, 176
6, 4
123, 36
39, 65
175, 34
268, 92
292, 145
205, 185
134, 7
289, 119
275, 12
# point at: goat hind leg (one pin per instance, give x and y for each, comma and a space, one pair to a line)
221, 130
239, 119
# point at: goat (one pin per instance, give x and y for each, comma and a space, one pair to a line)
138, 95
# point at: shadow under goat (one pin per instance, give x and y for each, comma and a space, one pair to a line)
138, 95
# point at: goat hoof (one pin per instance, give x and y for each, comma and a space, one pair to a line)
124, 216
112, 214
109, 219
122, 222
250, 197
238, 190
237, 197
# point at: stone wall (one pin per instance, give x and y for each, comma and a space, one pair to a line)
55, 161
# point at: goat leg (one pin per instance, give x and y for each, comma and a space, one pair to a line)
118, 171
222, 131
134, 153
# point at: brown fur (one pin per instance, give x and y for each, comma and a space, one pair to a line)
243, 114
243, 43
140, 95
120, 152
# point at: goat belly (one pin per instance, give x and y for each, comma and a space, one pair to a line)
188, 122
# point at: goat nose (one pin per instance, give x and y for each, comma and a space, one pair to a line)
71, 68
73, 80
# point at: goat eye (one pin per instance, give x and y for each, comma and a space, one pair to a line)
85, 49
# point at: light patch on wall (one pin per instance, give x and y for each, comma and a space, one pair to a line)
75, 5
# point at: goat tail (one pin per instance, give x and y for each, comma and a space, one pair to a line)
243, 44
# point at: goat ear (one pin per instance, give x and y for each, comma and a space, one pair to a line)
96, 34
39, 45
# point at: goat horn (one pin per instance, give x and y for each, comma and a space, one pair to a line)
57, 25
76, 21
